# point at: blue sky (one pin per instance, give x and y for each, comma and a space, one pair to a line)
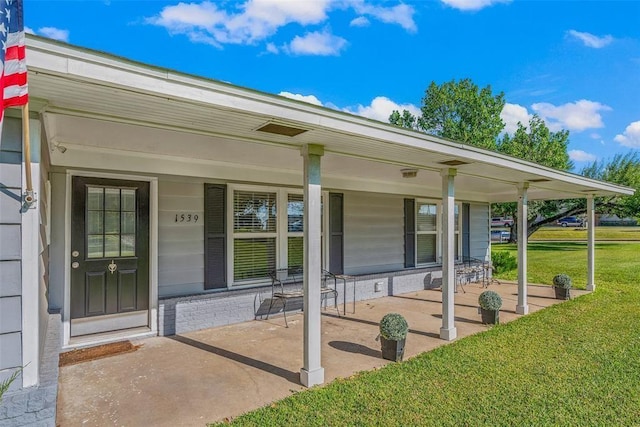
575, 63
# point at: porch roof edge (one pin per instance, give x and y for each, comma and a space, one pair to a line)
322, 117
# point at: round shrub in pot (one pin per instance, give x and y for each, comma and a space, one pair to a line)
490, 303
393, 334
562, 286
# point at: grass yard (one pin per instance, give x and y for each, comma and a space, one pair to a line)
577, 363
580, 234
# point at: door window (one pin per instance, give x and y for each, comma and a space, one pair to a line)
111, 222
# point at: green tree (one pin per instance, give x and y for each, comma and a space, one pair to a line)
458, 110
623, 169
461, 111
404, 120
536, 143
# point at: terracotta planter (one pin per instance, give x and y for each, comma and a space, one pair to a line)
392, 350
490, 317
562, 293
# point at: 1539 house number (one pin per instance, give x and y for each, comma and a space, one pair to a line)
186, 217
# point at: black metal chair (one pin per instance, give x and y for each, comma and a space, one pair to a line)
288, 284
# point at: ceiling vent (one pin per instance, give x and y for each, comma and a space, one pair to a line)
409, 173
453, 163
279, 129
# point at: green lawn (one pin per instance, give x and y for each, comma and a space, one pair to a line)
577, 233
576, 363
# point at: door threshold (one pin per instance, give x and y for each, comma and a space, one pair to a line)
107, 337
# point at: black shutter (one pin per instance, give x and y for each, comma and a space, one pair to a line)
466, 230
336, 233
215, 236
409, 233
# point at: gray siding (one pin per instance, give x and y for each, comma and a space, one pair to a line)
44, 234
180, 244
10, 249
373, 233
57, 249
479, 231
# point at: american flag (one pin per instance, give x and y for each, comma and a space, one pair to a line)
13, 80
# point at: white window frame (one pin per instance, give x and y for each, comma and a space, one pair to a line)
281, 235
438, 231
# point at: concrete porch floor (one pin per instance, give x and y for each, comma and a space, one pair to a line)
209, 375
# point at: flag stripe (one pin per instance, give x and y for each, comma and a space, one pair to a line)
14, 52
16, 100
13, 65
18, 79
12, 91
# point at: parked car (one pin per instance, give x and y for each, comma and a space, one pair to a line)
570, 221
500, 236
498, 221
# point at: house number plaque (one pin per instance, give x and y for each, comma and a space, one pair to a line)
186, 217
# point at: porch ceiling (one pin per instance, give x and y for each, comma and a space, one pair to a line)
92, 101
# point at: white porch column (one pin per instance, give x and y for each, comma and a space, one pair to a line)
312, 373
591, 240
33, 296
448, 330
523, 206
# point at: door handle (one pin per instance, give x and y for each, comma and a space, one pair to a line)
112, 267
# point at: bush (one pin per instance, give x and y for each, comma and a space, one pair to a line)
490, 300
4, 385
562, 281
394, 327
503, 261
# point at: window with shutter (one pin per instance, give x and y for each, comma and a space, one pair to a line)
295, 230
215, 237
245, 239
254, 234
409, 233
428, 231
336, 233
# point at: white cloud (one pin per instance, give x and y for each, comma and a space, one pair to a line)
381, 108
595, 135
54, 33
631, 136
219, 23
472, 5
575, 116
512, 114
581, 156
360, 21
29, 30
400, 14
317, 43
311, 99
591, 40
254, 21
272, 48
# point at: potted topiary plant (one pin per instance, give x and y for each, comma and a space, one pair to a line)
393, 334
490, 303
562, 286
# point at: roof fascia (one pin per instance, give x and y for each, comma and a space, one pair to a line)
65, 59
